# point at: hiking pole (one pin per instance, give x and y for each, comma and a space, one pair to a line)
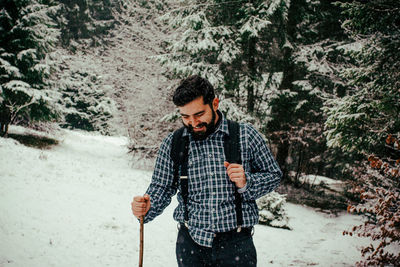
141, 242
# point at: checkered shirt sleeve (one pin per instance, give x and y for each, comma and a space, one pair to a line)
161, 188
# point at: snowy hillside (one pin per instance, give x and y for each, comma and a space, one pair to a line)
70, 206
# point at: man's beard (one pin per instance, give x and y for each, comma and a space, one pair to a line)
210, 128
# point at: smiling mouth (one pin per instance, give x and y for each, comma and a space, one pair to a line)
198, 128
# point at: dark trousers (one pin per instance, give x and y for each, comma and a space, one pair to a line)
228, 249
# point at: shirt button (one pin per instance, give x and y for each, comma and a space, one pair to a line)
209, 155
214, 193
211, 173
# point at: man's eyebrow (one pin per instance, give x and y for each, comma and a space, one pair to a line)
197, 113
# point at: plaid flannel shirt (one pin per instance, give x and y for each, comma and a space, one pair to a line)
211, 194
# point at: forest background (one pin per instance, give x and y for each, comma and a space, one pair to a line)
320, 79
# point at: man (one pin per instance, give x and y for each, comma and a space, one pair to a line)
211, 234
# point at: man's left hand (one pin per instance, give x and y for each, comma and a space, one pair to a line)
236, 173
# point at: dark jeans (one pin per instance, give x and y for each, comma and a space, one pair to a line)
229, 249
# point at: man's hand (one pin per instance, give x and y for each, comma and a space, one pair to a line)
236, 174
140, 205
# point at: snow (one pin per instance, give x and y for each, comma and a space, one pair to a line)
70, 206
351, 47
19, 86
332, 184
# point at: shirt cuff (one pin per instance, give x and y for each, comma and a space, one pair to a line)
243, 189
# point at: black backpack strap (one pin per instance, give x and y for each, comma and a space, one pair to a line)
232, 143
179, 155
232, 155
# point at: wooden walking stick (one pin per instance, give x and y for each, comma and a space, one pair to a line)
141, 242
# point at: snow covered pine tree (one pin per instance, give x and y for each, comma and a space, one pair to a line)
27, 34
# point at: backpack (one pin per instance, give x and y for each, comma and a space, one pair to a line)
179, 156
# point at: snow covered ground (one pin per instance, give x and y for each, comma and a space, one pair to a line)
70, 206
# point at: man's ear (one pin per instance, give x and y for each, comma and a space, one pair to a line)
215, 104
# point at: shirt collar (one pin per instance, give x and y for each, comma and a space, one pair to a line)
222, 127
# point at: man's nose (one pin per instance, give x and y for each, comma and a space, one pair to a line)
193, 122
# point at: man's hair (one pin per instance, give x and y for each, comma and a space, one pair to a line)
191, 88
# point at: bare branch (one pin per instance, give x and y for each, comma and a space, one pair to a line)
18, 109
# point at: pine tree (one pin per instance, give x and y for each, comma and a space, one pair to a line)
234, 44
85, 20
27, 34
361, 120
366, 122
84, 103
310, 66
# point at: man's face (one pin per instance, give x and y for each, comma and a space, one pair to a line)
199, 118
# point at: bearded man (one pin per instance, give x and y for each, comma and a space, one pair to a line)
217, 209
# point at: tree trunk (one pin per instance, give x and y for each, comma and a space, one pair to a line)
252, 73
289, 75
5, 119
282, 154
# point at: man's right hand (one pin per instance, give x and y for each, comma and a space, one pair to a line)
140, 205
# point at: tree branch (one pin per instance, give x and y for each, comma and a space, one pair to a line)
17, 110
